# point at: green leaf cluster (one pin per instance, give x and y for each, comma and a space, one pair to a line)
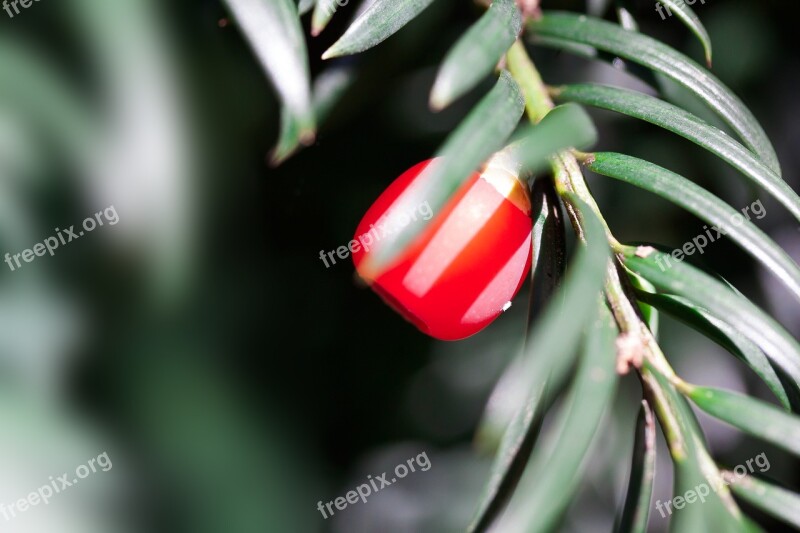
599, 322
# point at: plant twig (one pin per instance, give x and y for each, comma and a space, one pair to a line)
537, 101
569, 178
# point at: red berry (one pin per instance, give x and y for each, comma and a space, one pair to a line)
462, 271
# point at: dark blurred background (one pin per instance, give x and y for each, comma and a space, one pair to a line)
233, 379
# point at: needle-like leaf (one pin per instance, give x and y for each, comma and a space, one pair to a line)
636, 512
771, 499
329, 88
649, 312
687, 125
687, 15
476, 52
272, 27
662, 58
304, 6
676, 278
548, 355
323, 13
752, 416
554, 471
379, 22
548, 263
693, 465
723, 219
721, 333
566, 126
548, 246
479, 135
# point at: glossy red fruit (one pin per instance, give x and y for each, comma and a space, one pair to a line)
469, 262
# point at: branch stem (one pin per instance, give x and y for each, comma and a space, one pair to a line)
569, 178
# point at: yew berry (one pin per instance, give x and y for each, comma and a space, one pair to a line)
462, 271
